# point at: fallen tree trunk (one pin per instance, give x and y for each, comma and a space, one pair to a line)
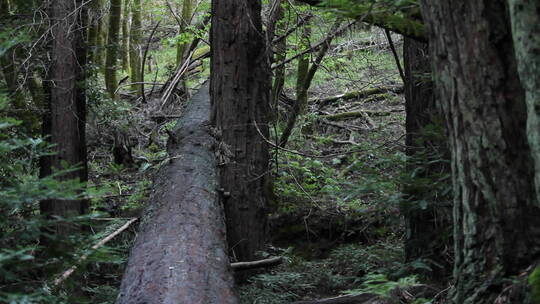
180, 255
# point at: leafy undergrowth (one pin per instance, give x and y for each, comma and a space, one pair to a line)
337, 196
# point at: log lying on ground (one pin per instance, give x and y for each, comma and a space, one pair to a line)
180, 255
322, 102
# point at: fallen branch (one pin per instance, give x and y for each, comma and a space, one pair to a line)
70, 271
355, 94
348, 299
257, 264
356, 114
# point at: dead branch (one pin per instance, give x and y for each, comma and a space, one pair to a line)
356, 114
70, 271
348, 299
325, 41
356, 94
257, 264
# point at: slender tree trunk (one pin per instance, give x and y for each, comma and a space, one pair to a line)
525, 19
102, 42
305, 76
135, 45
187, 12
113, 43
280, 49
64, 122
94, 24
427, 212
125, 36
240, 89
496, 232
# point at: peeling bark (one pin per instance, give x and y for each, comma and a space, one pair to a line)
180, 255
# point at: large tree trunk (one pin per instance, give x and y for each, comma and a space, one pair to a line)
525, 18
496, 232
180, 254
240, 87
427, 213
64, 121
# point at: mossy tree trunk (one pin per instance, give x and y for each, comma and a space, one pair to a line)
182, 46
113, 45
496, 231
525, 19
135, 45
240, 91
426, 210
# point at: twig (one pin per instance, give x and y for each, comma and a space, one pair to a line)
70, 271
144, 60
317, 45
323, 156
394, 52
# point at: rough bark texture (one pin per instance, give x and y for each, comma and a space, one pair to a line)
525, 19
64, 121
495, 215
428, 224
240, 89
180, 254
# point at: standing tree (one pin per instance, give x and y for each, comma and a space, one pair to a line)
240, 89
426, 210
113, 43
525, 18
496, 232
135, 45
64, 121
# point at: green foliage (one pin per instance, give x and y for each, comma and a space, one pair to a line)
21, 225
381, 285
534, 283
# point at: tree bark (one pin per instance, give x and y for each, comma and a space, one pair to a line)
64, 121
180, 255
496, 232
428, 232
240, 90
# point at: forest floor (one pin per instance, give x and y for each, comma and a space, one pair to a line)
335, 215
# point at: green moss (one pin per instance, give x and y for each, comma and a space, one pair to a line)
534, 282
